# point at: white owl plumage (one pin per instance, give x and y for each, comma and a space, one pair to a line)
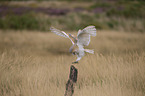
82, 39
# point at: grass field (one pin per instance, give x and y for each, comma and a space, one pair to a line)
110, 15
37, 64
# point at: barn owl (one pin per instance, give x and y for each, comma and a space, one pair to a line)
81, 40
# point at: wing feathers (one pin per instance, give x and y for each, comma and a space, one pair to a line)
90, 30
58, 32
84, 35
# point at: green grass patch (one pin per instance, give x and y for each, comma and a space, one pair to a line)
128, 16
127, 10
25, 21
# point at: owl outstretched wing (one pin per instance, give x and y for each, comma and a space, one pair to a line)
84, 35
60, 33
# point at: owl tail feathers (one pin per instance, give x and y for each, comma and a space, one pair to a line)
89, 51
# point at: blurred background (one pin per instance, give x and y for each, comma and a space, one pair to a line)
126, 15
36, 62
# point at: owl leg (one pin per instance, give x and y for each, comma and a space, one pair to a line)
79, 58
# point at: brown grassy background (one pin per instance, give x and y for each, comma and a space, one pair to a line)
37, 64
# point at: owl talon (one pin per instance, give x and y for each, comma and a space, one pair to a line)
75, 62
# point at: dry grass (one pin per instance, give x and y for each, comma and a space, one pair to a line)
37, 64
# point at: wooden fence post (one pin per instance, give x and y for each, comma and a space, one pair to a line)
71, 81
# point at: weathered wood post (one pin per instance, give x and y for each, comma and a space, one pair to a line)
71, 81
